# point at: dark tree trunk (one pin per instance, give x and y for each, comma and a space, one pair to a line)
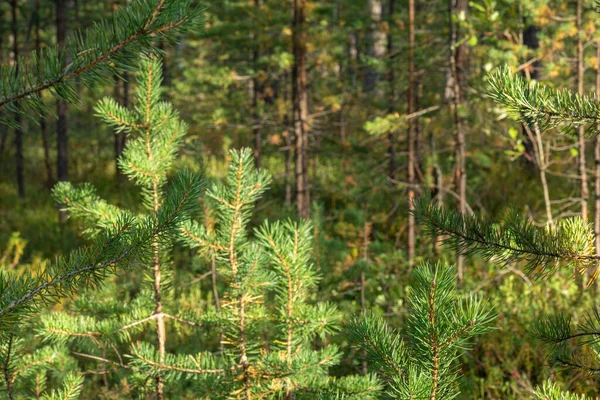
3, 138
581, 160
456, 87
165, 66
18, 131
597, 162
411, 133
438, 189
391, 78
43, 127
122, 135
300, 99
530, 40
256, 92
119, 138
375, 43
62, 160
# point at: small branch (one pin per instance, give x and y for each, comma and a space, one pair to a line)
167, 367
6, 368
435, 348
101, 359
65, 76
183, 321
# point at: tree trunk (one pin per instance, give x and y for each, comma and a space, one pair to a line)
119, 137
581, 159
123, 136
363, 303
530, 40
597, 160
375, 45
456, 73
161, 333
256, 124
62, 164
391, 80
288, 142
300, 99
165, 66
43, 127
437, 192
411, 133
18, 131
3, 138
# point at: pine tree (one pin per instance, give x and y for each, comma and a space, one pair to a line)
268, 279
265, 320
440, 326
155, 133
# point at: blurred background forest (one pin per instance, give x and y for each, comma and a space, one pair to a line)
355, 107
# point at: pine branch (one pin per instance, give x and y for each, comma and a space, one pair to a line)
566, 347
532, 102
550, 391
513, 239
6, 368
440, 327
384, 347
96, 53
87, 267
82, 202
71, 389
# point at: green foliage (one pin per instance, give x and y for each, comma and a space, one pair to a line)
513, 239
71, 389
123, 246
568, 348
440, 326
550, 391
269, 278
533, 102
154, 136
93, 55
266, 319
543, 250
386, 124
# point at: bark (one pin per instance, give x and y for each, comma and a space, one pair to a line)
62, 164
119, 138
363, 304
18, 131
353, 56
439, 197
597, 160
530, 40
581, 159
288, 143
256, 124
43, 127
456, 75
419, 177
375, 45
165, 66
535, 137
411, 133
391, 83
3, 144
158, 310
125, 82
300, 99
